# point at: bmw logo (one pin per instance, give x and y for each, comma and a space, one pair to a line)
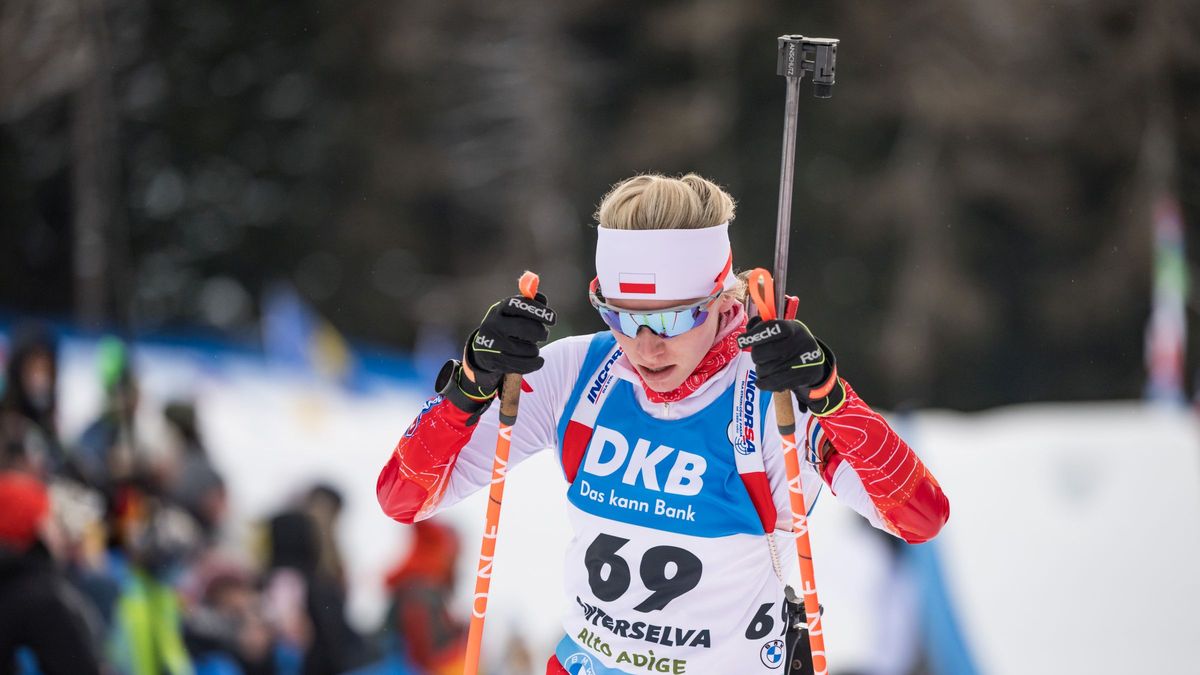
581, 664
772, 654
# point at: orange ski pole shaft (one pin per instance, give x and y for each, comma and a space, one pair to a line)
510, 396
763, 293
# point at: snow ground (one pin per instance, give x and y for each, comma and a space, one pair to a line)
1072, 547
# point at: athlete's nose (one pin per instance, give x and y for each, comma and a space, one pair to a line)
648, 343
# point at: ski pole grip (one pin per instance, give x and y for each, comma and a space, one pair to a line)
785, 417
510, 396
762, 292
510, 391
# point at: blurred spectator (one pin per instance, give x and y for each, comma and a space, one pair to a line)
195, 483
306, 604
422, 587
106, 451
44, 622
226, 630
324, 505
78, 511
20, 445
30, 394
146, 636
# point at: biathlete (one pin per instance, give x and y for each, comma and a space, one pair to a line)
674, 472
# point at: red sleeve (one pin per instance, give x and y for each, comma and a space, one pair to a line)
416, 475
903, 490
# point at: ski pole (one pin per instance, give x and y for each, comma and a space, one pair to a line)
796, 55
510, 396
761, 291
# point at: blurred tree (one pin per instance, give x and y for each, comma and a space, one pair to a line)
972, 207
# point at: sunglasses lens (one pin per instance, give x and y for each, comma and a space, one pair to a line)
632, 323
611, 318
695, 318
666, 324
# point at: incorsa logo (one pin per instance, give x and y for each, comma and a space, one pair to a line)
540, 312
743, 442
601, 380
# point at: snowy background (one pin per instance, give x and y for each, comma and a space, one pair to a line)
1072, 544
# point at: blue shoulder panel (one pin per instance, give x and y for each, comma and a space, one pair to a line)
601, 344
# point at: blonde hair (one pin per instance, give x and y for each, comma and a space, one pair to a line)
655, 202
651, 201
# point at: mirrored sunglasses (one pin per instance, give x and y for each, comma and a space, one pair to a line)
668, 323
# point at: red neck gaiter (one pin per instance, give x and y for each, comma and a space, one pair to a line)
724, 349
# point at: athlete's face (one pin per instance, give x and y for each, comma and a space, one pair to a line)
664, 363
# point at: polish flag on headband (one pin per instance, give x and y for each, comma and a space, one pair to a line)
641, 284
664, 264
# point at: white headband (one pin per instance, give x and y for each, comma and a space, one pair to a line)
664, 264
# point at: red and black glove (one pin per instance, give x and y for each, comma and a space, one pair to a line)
789, 358
505, 342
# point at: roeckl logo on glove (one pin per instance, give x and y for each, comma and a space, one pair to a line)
540, 312
809, 357
748, 340
481, 341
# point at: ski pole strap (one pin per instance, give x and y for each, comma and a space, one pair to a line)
762, 292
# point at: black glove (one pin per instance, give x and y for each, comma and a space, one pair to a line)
505, 342
789, 358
